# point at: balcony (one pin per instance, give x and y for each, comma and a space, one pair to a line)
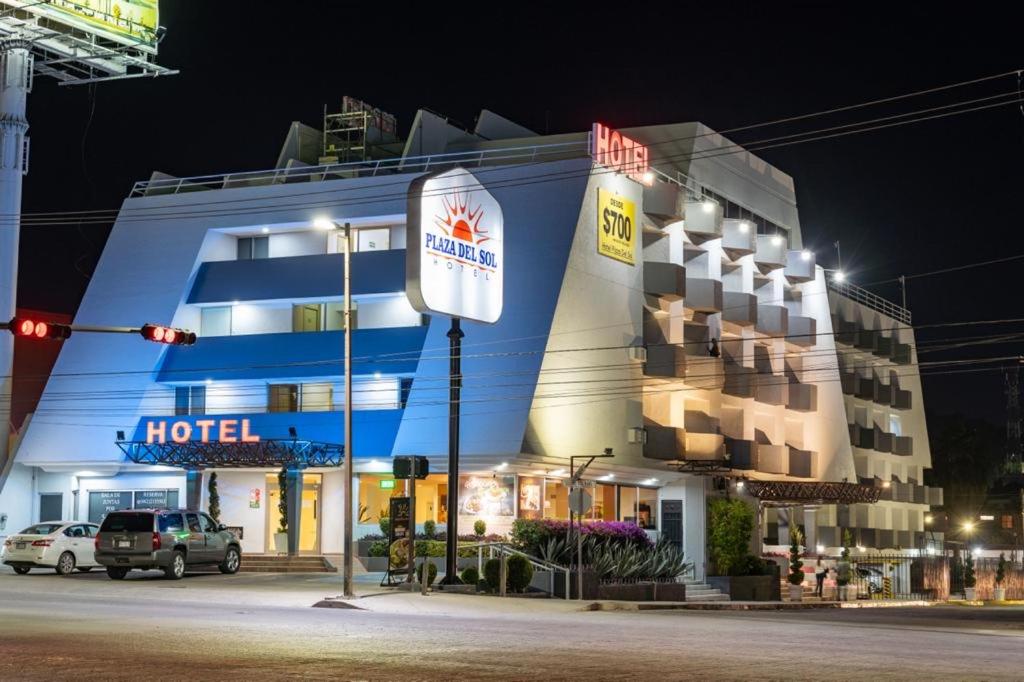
739, 380
864, 387
845, 332
901, 354
703, 295
771, 389
865, 339
667, 360
668, 443
771, 252
264, 356
801, 463
298, 277
882, 392
772, 320
662, 201
657, 329
902, 400
903, 446
883, 440
704, 371
799, 266
665, 280
772, 459
861, 437
934, 496
739, 308
703, 220
803, 397
738, 238
848, 381
742, 453
803, 331
883, 346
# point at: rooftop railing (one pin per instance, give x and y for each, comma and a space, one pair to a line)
866, 298
361, 169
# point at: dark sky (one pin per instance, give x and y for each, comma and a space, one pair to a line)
902, 201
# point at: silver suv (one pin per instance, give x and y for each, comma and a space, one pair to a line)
168, 539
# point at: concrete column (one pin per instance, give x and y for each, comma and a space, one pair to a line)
193, 488
811, 530
15, 84
784, 514
293, 485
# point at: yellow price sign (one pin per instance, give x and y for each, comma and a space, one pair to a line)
616, 227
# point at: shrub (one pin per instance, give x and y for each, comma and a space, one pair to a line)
519, 573
282, 500
434, 548
753, 565
471, 576
429, 529
385, 525
479, 527
213, 504
730, 525
969, 578
378, 548
431, 572
530, 534
1001, 570
492, 574
796, 576
370, 537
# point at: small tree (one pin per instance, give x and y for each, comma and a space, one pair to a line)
480, 528
796, 575
844, 572
969, 578
282, 500
213, 501
730, 525
1001, 570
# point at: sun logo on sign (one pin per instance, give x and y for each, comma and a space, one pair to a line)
460, 221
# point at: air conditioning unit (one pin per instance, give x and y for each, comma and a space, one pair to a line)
636, 434
638, 353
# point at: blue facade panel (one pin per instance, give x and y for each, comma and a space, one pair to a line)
372, 430
293, 355
297, 277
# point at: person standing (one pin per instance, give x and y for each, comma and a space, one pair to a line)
820, 573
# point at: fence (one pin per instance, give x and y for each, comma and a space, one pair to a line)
985, 579
901, 576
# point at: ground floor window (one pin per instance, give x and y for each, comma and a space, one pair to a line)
376, 491
638, 505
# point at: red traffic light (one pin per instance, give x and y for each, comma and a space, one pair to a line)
168, 335
38, 329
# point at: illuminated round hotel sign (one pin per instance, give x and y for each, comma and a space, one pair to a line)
454, 255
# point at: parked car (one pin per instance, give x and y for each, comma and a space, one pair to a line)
60, 545
871, 578
169, 539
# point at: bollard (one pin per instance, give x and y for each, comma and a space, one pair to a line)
425, 577
503, 575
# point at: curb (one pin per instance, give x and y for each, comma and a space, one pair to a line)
709, 606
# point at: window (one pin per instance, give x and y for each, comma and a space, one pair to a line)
556, 499
208, 525
215, 321
894, 425
193, 523
316, 397
283, 398
378, 239
189, 400
250, 248
171, 523
316, 317
306, 318
404, 389
627, 504
1006, 521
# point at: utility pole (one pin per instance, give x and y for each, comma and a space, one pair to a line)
1013, 420
454, 397
347, 534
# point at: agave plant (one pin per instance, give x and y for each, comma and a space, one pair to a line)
553, 550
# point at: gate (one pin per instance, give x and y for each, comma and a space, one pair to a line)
896, 576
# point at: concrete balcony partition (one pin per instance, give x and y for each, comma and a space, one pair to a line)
801, 463
696, 421
666, 443
665, 280
663, 201
742, 453
703, 220
739, 238
882, 392
883, 440
704, 447
704, 372
883, 346
772, 459
904, 538
861, 437
865, 339
703, 295
799, 266
772, 320
657, 329
739, 308
802, 397
666, 361
864, 387
845, 332
848, 382
771, 389
803, 331
771, 252
901, 354
934, 496
739, 380
903, 446
902, 400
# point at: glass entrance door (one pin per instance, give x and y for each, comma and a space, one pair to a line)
310, 514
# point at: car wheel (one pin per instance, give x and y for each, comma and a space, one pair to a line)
232, 562
116, 572
84, 569
175, 570
21, 570
66, 564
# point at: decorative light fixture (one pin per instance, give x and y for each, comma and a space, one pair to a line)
776, 240
265, 230
838, 276
744, 227
708, 206
805, 255
740, 484
820, 549
648, 178
323, 224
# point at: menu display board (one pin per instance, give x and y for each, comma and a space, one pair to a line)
531, 497
487, 495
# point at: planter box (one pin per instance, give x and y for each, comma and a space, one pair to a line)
747, 587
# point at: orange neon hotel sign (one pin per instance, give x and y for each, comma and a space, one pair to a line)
611, 148
206, 430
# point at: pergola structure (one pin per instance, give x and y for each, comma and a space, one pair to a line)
276, 453
792, 493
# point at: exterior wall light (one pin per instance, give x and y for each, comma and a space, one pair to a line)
838, 276
744, 227
776, 240
323, 224
805, 255
708, 206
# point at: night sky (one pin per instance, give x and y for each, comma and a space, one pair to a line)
901, 201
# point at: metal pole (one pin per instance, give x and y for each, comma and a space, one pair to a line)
347, 535
412, 524
454, 390
579, 556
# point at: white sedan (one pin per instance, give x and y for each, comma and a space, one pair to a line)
61, 545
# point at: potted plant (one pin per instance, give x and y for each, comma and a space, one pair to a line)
1000, 591
796, 574
969, 578
281, 536
213, 499
844, 571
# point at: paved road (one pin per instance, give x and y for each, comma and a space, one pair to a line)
261, 627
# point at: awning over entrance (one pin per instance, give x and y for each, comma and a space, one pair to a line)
787, 493
216, 454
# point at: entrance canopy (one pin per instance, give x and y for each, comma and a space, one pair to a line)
788, 493
274, 453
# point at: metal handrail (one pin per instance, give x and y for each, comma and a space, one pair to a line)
873, 301
506, 548
471, 158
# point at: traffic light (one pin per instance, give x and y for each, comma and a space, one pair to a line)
168, 335
38, 329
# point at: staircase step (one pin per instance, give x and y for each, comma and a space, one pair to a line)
273, 563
